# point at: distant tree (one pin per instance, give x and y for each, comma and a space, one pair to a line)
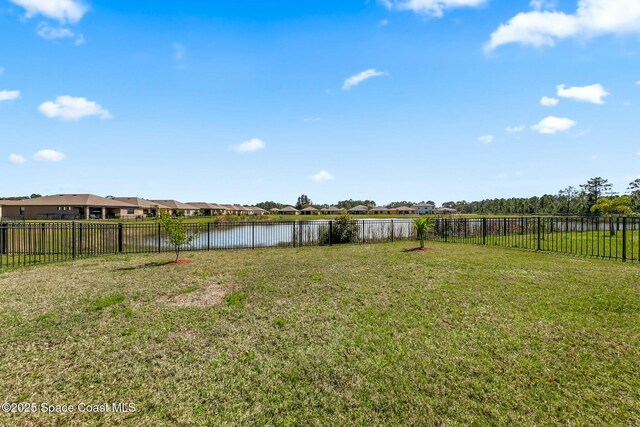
35, 196
612, 205
568, 196
450, 205
594, 189
270, 205
634, 188
398, 204
348, 204
178, 233
423, 225
303, 202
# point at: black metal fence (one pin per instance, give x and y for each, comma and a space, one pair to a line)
27, 243
603, 237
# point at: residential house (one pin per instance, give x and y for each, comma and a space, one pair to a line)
68, 207
445, 211
379, 210
406, 210
424, 208
289, 210
331, 210
309, 210
359, 210
274, 211
256, 210
149, 208
206, 209
176, 208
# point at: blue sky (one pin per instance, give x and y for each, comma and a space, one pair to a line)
245, 101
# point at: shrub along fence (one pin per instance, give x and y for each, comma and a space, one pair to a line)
27, 243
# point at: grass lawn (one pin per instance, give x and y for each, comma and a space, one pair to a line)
352, 335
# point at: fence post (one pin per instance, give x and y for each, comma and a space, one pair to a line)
120, 234
363, 231
484, 231
4, 238
392, 231
73, 239
159, 238
330, 233
208, 236
253, 235
624, 239
539, 227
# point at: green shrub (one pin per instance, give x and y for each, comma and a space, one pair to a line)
343, 230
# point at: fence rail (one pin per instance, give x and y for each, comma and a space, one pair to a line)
603, 237
28, 243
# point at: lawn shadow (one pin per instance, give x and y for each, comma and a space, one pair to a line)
141, 266
417, 250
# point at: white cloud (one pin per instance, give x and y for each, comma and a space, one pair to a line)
592, 18
60, 10
542, 4
486, 139
249, 146
594, 93
16, 159
48, 32
549, 102
49, 156
9, 95
361, 77
516, 129
430, 7
73, 108
551, 125
322, 176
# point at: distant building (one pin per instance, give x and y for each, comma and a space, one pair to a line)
424, 208
379, 210
445, 211
175, 207
289, 210
331, 210
405, 210
310, 210
69, 207
359, 210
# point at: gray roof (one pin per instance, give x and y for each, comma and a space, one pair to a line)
309, 209
423, 205
89, 200
380, 208
359, 208
174, 204
141, 203
289, 209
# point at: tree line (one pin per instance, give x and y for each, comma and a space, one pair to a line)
594, 197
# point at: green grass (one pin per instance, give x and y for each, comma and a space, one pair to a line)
349, 335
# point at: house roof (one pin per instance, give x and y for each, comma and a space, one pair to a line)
423, 205
204, 205
359, 208
255, 209
380, 208
139, 202
289, 209
405, 208
309, 209
274, 210
89, 200
174, 204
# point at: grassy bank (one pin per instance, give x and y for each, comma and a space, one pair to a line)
368, 335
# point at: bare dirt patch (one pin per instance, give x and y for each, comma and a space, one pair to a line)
211, 295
